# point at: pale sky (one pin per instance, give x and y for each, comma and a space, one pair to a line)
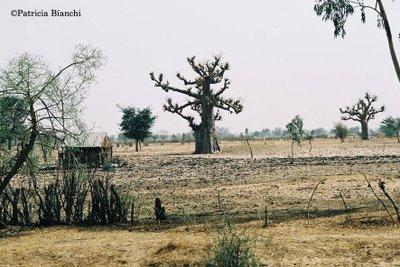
284, 59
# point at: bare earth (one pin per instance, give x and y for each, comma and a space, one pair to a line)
189, 186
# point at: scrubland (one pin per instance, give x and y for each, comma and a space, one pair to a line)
193, 189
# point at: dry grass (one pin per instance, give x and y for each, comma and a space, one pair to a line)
325, 242
180, 179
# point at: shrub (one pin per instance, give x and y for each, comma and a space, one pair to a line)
341, 131
75, 196
231, 249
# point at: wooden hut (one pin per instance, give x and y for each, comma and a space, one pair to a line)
93, 151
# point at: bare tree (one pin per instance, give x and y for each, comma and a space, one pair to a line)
310, 136
246, 135
53, 99
202, 99
363, 112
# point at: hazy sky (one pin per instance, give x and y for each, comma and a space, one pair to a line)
285, 60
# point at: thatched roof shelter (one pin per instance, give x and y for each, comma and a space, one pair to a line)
92, 150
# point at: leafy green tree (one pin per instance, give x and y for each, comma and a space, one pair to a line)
13, 113
392, 124
363, 111
296, 132
136, 124
341, 131
204, 98
338, 12
388, 132
53, 99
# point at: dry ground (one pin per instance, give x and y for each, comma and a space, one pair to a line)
189, 186
325, 241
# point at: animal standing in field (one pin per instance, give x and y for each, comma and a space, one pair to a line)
159, 210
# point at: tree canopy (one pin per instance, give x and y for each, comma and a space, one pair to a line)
338, 11
136, 123
392, 125
13, 112
295, 129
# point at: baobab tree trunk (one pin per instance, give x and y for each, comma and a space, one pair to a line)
205, 134
206, 140
364, 130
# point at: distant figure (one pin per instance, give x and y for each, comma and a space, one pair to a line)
159, 210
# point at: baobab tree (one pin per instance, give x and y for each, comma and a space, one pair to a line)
203, 99
363, 111
338, 11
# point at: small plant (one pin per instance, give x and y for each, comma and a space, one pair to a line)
231, 249
108, 166
381, 185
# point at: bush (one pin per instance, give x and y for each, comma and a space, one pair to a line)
231, 249
74, 197
341, 131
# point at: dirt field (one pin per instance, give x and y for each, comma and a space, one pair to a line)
194, 187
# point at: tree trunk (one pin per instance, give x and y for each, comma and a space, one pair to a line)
398, 137
23, 154
390, 39
136, 145
206, 141
205, 134
9, 143
364, 130
292, 150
